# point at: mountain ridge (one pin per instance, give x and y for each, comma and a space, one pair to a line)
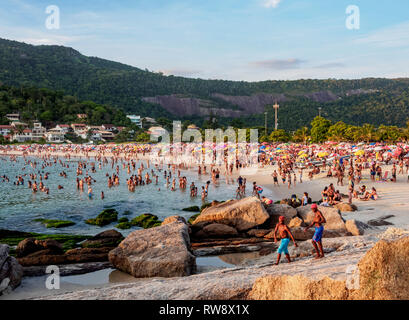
153, 94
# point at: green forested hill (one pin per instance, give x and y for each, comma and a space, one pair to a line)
53, 107
122, 86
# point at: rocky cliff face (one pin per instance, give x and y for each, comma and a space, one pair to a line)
186, 106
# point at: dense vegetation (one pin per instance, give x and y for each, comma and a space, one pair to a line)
374, 101
53, 107
322, 130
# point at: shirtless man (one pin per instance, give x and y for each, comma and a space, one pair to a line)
319, 230
285, 235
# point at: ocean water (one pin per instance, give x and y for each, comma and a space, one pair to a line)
19, 207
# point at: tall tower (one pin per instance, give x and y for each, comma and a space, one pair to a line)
276, 107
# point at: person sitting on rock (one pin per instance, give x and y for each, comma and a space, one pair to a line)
285, 235
267, 201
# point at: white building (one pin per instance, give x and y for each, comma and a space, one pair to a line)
13, 117
25, 136
64, 128
38, 132
136, 120
55, 136
5, 130
108, 127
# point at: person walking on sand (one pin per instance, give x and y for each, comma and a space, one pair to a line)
319, 230
285, 235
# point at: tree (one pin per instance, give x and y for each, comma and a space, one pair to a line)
280, 136
319, 129
353, 133
143, 137
237, 123
368, 132
301, 135
388, 133
337, 131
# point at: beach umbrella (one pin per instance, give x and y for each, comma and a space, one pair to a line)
360, 153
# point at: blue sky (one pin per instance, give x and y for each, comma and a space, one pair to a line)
226, 39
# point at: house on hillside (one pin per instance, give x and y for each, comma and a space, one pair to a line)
107, 135
16, 125
78, 127
13, 117
55, 136
5, 130
108, 127
135, 120
149, 121
82, 116
24, 136
38, 132
63, 128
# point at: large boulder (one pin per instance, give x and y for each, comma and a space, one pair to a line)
383, 272
172, 219
78, 255
332, 215
108, 238
296, 223
277, 210
356, 228
297, 288
31, 245
216, 230
158, 252
346, 207
258, 233
11, 272
242, 214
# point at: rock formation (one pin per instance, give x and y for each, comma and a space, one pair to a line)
382, 276
11, 271
240, 214
158, 252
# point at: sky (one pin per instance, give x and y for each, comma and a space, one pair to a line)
246, 40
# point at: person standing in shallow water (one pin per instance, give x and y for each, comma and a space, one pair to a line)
319, 230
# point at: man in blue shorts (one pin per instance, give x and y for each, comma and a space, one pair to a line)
285, 234
319, 230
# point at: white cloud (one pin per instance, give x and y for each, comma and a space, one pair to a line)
271, 3
279, 64
393, 36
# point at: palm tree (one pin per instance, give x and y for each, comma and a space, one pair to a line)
368, 132
302, 134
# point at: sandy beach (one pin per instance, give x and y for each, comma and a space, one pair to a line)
392, 203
